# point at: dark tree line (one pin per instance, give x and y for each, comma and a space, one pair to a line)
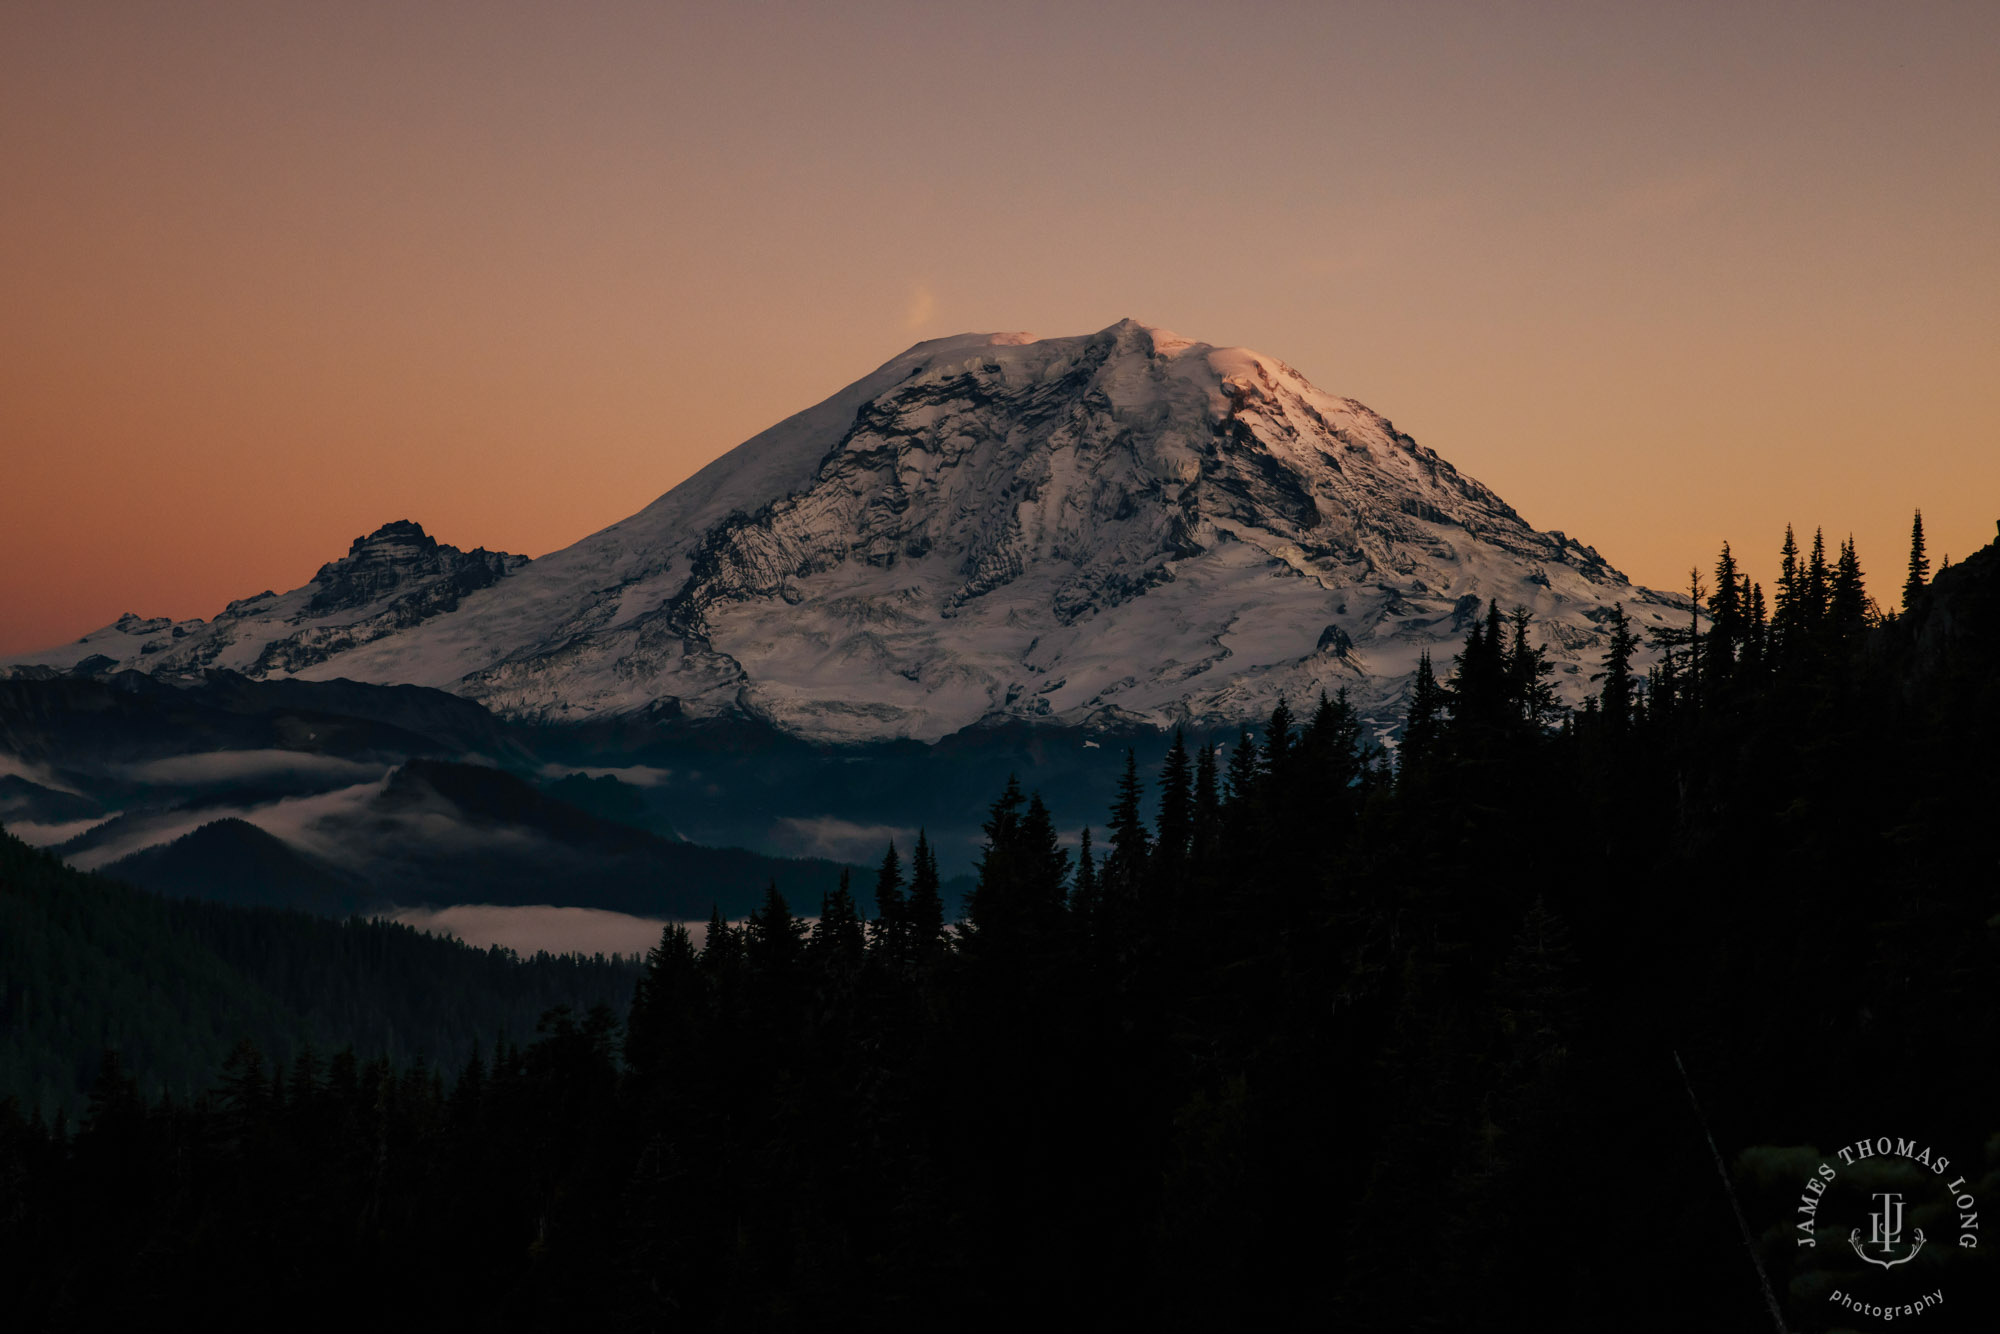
1299, 1038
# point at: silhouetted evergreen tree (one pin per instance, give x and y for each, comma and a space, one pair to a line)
1675, 682
662, 1002
1205, 819
924, 909
1176, 820
1848, 599
1920, 563
1018, 905
1084, 899
1125, 864
1477, 695
1729, 617
1788, 605
1423, 726
1756, 634
773, 939
1243, 814
1818, 589
838, 941
1334, 753
1046, 865
722, 945
1530, 686
1616, 697
1278, 744
889, 931
1243, 780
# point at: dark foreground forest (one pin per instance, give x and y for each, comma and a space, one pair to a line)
1304, 1039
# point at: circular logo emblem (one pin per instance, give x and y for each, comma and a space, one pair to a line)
1875, 1224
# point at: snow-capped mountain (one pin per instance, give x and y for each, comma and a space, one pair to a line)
1123, 527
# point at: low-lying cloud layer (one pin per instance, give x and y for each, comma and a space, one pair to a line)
13, 766
841, 840
543, 927
48, 835
293, 819
232, 766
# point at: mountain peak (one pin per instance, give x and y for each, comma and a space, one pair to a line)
395, 531
400, 557
1150, 338
1126, 335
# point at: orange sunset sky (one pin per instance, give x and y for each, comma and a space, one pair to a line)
273, 274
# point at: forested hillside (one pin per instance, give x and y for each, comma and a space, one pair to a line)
88, 963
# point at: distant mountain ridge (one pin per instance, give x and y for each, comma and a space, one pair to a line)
232, 861
1123, 529
338, 797
390, 580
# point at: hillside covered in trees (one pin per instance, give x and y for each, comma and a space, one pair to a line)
88, 964
1301, 1037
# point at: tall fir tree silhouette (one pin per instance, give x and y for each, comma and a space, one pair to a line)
1817, 588
1278, 742
1124, 869
924, 909
1530, 688
1423, 725
1848, 601
1616, 698
1728, 616
994, 910
888, 930
774, 939
1756, 630
1176, 821
1920, 563
1788, 599
1085, 901
1205, 819
838, 940
660, 1002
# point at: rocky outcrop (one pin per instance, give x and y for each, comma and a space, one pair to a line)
393, 579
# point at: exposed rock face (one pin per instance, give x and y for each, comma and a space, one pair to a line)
397, 559
393, 579
1126, 526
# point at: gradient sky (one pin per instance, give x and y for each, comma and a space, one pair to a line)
274, 274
